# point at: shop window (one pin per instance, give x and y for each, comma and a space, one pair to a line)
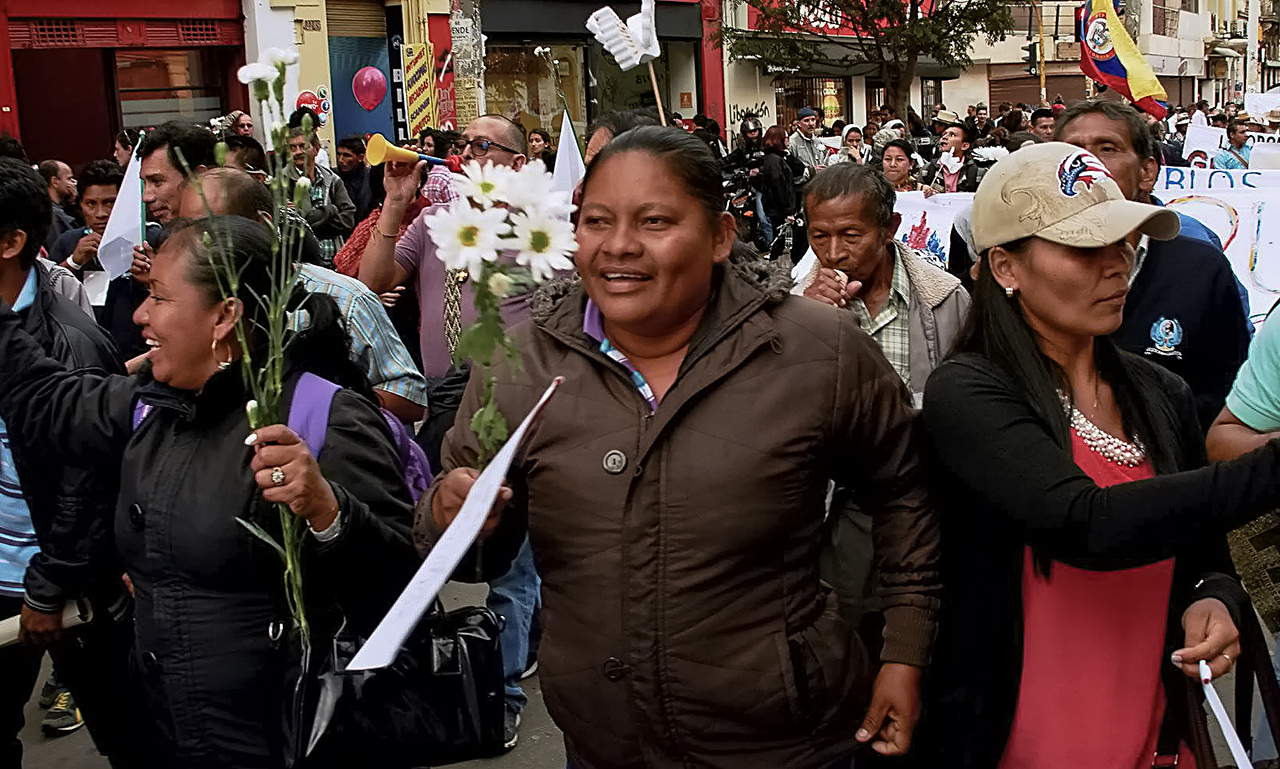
829, 93
160, 85
613, 89
521, 85
877, 95
930, 94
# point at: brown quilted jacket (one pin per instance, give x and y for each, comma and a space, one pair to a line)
684, 621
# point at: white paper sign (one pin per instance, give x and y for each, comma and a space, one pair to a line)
1259, 104
96, 283
1175, 180
385, 642
1204, 142
125, 227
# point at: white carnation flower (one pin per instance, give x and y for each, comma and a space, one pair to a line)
484, 185
277, 56
543, 243
467, 237
257, 71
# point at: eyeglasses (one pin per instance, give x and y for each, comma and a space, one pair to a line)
480, 147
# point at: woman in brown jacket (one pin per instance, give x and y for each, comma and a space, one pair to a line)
674, 490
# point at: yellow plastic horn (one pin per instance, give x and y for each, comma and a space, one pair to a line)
379, 151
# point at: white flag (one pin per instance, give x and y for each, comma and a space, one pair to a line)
569, 166
125, 227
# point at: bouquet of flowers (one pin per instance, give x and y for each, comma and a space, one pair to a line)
510, 231
264, 374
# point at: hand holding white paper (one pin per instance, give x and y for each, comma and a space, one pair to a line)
385, 642
73, 615
125, 227
1220, 713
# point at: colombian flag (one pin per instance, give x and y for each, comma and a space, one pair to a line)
1109, 56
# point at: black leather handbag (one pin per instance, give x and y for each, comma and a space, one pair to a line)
440, 702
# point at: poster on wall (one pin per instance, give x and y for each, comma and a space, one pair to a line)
420, 90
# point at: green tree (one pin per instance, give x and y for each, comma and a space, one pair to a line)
892, 35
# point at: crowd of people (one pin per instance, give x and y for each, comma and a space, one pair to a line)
1013, 465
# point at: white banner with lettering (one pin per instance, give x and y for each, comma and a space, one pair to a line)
1258, 104
1243, 209
1204, 142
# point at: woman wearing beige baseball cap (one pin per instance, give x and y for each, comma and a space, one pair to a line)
1085, 558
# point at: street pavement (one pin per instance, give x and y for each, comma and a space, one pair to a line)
540, 746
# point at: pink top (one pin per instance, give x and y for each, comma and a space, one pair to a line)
1093, 643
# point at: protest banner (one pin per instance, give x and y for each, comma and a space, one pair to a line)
926, 222
1258, 104
1204, 142
1174, 180
1245, 220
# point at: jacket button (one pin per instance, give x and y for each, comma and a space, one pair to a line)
615, 462
135, 516
614, 669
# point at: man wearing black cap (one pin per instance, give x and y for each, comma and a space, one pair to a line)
804, 145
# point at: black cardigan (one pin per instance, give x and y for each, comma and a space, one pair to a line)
1003, 481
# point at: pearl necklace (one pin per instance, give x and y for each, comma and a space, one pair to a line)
1101, 442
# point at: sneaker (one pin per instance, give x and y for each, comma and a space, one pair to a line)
510, 729
49, 692
63, 717
530, 667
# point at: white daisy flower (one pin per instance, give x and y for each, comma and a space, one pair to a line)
486, 185
530, 190
543, 243
467, 237
500, 284
258, 71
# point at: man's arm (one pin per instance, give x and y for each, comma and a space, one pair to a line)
1229, 437
404, 409
343, 220
378, 268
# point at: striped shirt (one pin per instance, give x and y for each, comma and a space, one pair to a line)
593, 325
890, 328
374, 341
17, 533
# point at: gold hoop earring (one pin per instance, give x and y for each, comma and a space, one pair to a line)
222, 365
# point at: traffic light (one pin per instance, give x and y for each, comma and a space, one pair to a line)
1032, 58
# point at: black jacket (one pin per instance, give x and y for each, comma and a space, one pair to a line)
207, 591
777, 187
1184, 313
70, 502
970, 175
1003, 482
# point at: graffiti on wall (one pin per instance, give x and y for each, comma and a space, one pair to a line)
738, 112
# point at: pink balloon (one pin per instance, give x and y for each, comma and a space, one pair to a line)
370, 87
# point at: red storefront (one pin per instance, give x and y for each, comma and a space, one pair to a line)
75, 72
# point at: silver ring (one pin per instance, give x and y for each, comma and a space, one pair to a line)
277, 476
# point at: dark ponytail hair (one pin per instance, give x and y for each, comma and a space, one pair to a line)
997, 330
688, 158
245, 246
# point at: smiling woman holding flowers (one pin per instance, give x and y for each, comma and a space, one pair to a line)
673, 491
212, 613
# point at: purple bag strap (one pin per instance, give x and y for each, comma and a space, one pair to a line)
309, 411
140, 412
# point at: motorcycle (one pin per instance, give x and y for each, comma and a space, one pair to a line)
742, 200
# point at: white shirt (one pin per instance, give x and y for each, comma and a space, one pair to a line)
1199, 119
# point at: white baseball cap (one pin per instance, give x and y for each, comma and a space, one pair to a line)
1063, 194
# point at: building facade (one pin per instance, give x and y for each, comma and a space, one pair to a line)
75, 72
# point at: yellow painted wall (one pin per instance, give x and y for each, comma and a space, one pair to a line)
312, 35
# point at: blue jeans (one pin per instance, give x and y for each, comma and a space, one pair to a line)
515, 596
766, 226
